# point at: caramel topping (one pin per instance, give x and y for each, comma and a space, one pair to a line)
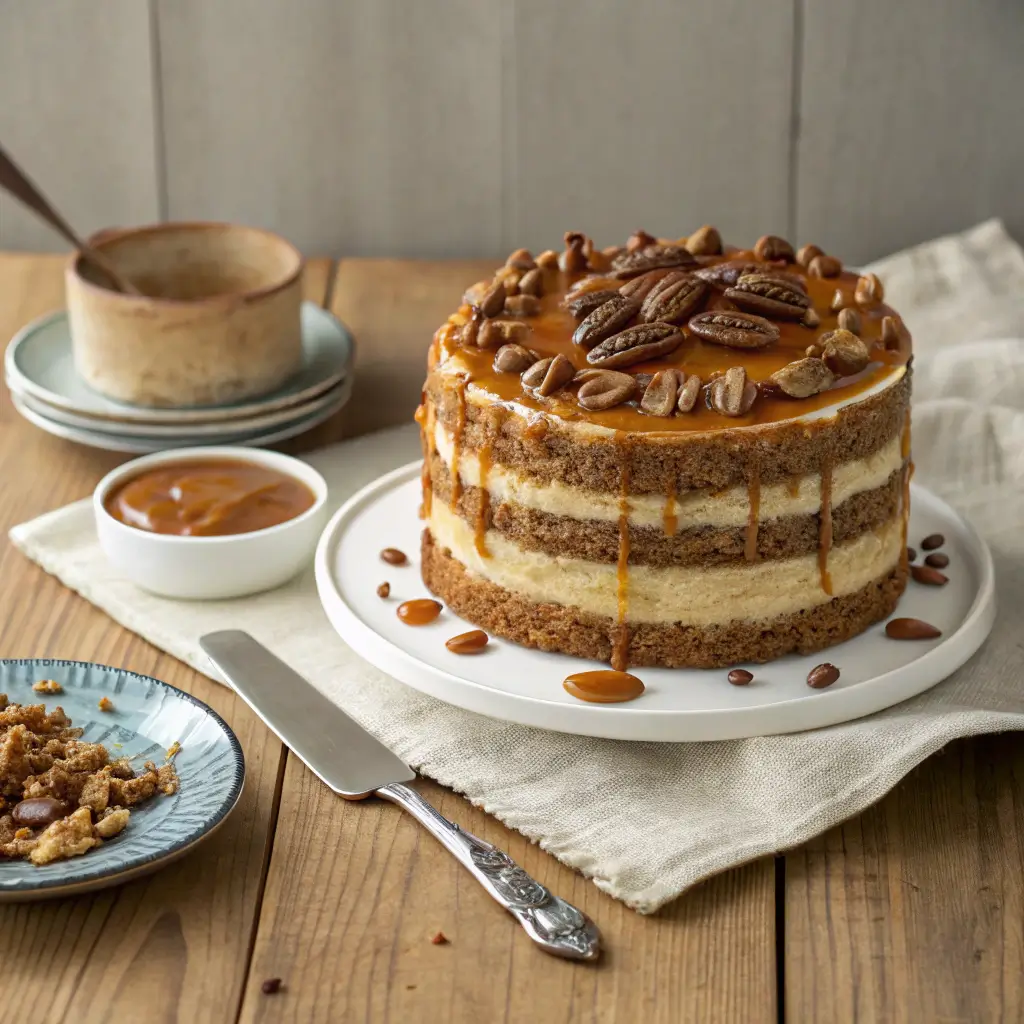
603, 686
620, 639
552, 328
208, 498
460, 427
419, 611
480, 526
825, 534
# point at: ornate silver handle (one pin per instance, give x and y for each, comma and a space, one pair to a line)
556, 926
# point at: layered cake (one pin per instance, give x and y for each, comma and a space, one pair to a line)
671, 453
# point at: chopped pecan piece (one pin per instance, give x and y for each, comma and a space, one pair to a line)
513, 358
825, 266
574, 258
849, 320
893, 331
501, 332
522, 305
493, 301
844, 353
548, 375
548, 260
662, 393
640, 239
532, 283
521, 259
803, 378
869, 290
771, 247
689, 393
705, 241
732, 394
604, 389
806, 253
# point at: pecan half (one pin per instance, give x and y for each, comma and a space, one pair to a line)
869, 290
636, 344
606, 320
824, 265
725, 275
640, 287
640, 239
844, 353
583, 305
806, 253
849, 320
493, 301
521, 259
596, 259
604, 389
500, 332
652, 257
893, 331
522, 305
734, 329
548, 375
513, 359
573, 259
769, 295
532, 283
771, 247
705, 241
732, 394
662, 393
673, 299
803, 378
689, 393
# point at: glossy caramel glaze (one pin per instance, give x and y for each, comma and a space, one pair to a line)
603, 686
552, 329
208, 498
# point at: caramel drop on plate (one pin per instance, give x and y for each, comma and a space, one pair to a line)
419, 611
472, 642
604, 686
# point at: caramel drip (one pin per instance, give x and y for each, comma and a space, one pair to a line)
484, 505
825, 531
671, 520
427, 426
620, 637
793, 486
754, 492
603, 687
457, 437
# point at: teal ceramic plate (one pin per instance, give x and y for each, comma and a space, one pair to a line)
39, 363
148, 717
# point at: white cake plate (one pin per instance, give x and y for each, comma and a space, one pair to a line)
521, 685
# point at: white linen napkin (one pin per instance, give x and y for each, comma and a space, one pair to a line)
647, 820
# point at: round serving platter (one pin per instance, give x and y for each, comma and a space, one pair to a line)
147, 718
522, 685
39, 363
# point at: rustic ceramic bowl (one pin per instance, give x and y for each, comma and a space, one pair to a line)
218, 321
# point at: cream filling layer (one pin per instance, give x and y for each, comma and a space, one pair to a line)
691, 595
799, 496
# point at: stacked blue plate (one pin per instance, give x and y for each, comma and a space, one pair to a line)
46, 390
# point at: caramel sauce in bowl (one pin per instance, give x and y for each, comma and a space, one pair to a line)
210, 523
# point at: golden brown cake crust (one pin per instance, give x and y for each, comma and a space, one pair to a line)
683, 461
599, 541
552, 627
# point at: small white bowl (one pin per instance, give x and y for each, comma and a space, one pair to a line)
212, 568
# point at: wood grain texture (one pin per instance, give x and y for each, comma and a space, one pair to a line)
393, 307
356, 890
176, 943
649, 114
355, 129
912, 912
911, 122
78, 115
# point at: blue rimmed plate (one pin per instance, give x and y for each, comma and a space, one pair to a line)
148, 717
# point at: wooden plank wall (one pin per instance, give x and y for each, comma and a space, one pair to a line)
469, 127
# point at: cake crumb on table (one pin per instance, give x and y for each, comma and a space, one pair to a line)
105, 704
439, 939
47, 686
271, 986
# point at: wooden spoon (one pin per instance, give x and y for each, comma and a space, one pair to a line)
17, 183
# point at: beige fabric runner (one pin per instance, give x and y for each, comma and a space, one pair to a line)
646, 821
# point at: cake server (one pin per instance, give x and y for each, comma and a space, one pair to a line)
342, 754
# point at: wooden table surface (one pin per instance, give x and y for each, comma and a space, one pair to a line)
912, 912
